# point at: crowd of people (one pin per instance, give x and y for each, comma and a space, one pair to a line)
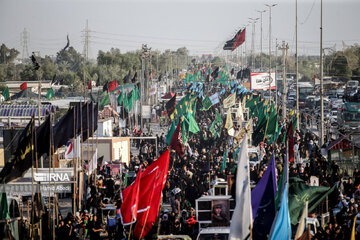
194, 174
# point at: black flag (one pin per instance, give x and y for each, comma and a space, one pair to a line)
170, 105
22, 159
127, 78
68, 43
35, 63
133, 80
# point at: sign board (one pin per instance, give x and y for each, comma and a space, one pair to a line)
146, 111
260, 81
153, 90
314, 181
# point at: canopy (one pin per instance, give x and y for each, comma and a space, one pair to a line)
340, 143
24, 94
168, 95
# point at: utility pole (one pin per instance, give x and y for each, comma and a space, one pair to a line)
24, 37
270, 80
297, 65
276, 86
86, 41
321, 78
284, 48
261, 37
253, 43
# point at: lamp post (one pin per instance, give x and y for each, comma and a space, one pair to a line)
253, 21
270, 6
261, 12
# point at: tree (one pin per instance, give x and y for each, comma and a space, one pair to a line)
29, 74
68, 59
7, 55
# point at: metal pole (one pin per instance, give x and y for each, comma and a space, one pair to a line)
321, 78
276, 86
270, 6
261, 45
297, 67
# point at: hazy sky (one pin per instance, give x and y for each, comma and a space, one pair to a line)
201, 26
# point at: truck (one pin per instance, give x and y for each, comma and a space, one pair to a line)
349, 117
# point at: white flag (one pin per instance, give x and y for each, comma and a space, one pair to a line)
93, 163
70, 146
241, 222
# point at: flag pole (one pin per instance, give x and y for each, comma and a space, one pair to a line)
50, 155
92, 135
74, 160
131, 227
81, 154
53, 164
37, 166
32, 183
88, 153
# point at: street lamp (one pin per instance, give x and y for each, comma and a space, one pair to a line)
253, 42
261, 12
270, 6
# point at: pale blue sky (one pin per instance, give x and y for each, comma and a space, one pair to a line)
201, 26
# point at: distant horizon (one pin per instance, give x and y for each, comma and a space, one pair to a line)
200, 26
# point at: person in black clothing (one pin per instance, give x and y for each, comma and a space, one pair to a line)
95, 229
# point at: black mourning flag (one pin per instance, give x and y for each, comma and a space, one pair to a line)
43, 137
215, 73
239, 74
34, 61
170, 105
71, 123
68, 43
64, 128
126, 79
133, 80
22, 159
106, 87
54, 81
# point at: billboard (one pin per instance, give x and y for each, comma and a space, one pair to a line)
260, 81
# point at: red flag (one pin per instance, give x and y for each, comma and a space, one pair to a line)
240, 39
290, 139
90, 85
23, 86
176, 141
151, 185
130, 197
113, 85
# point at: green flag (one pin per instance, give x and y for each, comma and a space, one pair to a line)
126, 102
136, 94
272, 125
170, 132
206, 103
105, 100
279, 191
120, 99
130, 100
275, 136
223, 165
193, 126
6, 93
216, 126
4, 209
300, 192
184, 131
50, 93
